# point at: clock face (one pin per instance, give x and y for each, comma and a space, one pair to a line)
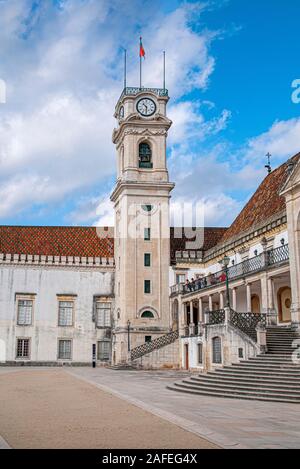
121, 112
146, 107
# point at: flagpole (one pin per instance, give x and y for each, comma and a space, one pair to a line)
164, 70
140, 64
125, 67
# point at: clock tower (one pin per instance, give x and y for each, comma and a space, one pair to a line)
142, 230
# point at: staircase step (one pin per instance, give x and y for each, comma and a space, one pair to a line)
271, 360
240, 392
248, 372
237, 384
272, 376
250, 381
233, 396
262, 366
244, 388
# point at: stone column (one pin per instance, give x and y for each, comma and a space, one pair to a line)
267, 301
270, 294
292, 198
234, 298
191, 313
200, 308
248, 290
192, 325
183, 320
221, 300
210, 303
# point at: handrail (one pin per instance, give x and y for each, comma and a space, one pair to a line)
155, 344
247, 322
134, 90
254, 264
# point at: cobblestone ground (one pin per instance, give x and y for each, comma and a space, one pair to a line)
50, 408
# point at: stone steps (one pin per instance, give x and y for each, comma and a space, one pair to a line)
270, 377
254, 397
246, 372
240, 388
256, 380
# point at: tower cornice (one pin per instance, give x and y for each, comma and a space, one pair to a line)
140, 186
135, 125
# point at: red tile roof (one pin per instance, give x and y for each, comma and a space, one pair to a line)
56, 241
81, 241
264, 204
209, 237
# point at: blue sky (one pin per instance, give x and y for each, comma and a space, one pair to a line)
230, 66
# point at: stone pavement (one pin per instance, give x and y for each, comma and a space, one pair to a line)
51, 408
229, 423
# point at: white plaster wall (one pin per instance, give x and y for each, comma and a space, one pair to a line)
46, 283
256, 247
279, 237
193, 353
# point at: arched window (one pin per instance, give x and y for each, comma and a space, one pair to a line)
145, 155
216, 349
147, 314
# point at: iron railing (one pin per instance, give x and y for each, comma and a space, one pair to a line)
263, 261
155, 344
278, 255
132, 91
215, 317
247, 322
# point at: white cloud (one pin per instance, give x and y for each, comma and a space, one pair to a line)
282, 140
63, 68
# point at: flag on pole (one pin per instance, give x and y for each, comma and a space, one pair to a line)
142, 50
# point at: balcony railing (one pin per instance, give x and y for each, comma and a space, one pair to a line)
215, 317
263, 261
244, 322
133, 91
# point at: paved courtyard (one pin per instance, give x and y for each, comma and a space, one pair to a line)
96, 408
230, 423
50, 408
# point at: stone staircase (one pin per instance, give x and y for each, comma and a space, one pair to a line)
272, 376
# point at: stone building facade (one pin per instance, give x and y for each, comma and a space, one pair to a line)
141, 293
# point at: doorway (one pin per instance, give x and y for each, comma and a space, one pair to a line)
284, 298
255, 304
186, 356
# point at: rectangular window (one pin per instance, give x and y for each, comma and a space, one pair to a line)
147, 234
103, 350
23, 348
65, 349
147, 259
103, 311
147, 286
25, 308
180, 278
65, 313
200, 351
148, 338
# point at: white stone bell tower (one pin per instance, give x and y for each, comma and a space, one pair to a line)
142, 230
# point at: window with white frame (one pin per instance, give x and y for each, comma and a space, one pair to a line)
23, 348
25, 309
65, 349
180, 278
103, 313
65, 312
103, 350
